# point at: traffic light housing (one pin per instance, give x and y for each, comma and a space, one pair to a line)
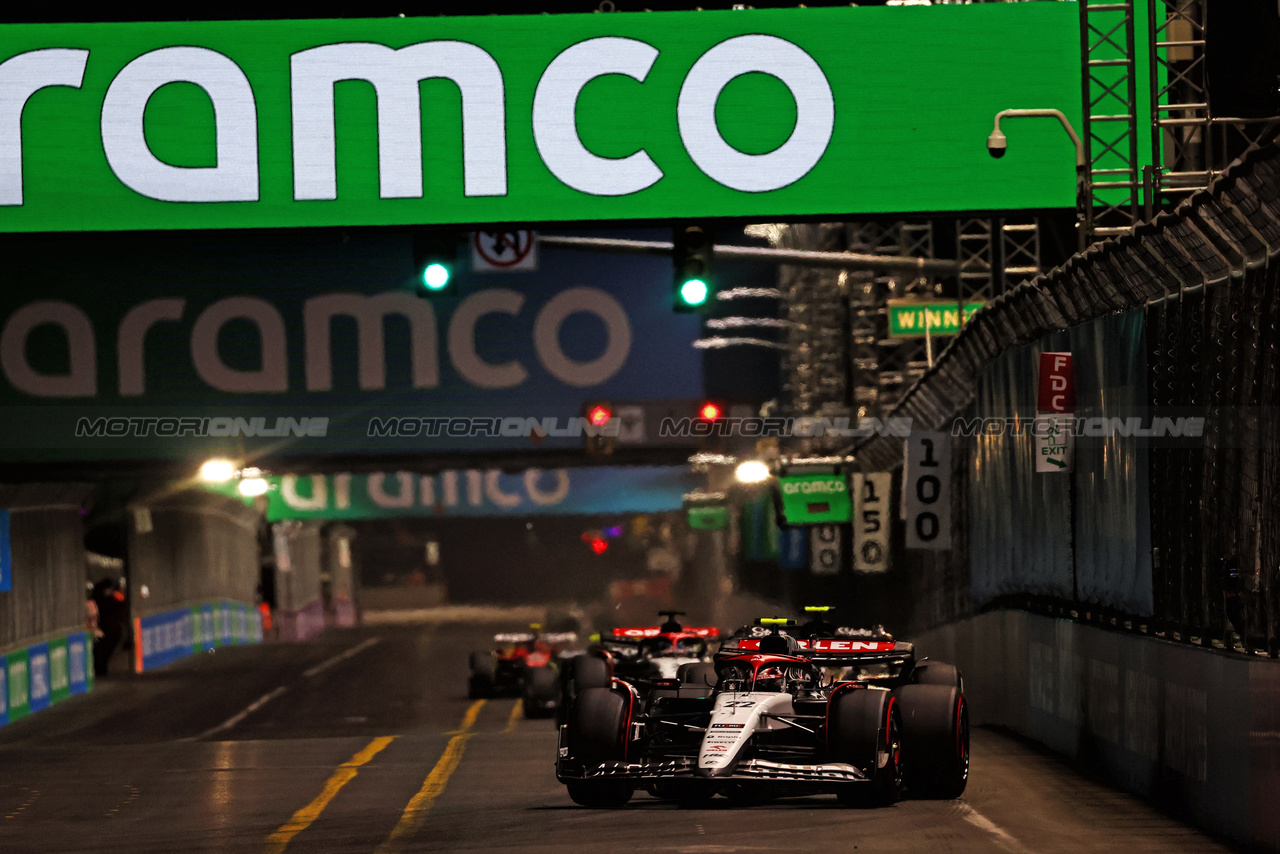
435, 255
600, 419
691, 267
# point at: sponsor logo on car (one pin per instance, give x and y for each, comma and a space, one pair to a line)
727, 726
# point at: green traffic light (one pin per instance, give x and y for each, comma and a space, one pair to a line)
435, 276
694, 292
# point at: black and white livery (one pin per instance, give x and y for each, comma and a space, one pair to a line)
850, 713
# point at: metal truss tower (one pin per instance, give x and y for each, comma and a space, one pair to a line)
1191, 142
1111, 200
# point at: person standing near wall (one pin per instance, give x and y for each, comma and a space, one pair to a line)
109, 599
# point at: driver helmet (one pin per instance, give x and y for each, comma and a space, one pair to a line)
771, 677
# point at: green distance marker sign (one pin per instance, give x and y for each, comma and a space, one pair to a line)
815, 499
768, 113
910, 319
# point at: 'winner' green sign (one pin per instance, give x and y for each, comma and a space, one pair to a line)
909, 319
815, 499
752, 113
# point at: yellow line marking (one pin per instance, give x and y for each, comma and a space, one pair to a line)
303, 818
513, 718
415, 812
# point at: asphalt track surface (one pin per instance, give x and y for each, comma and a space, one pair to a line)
363, 741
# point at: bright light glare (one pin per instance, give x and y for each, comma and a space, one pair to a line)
252, 487
752, 471
435, 276
217, 471
599, 416
694, 292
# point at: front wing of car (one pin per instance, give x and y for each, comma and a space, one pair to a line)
682, 767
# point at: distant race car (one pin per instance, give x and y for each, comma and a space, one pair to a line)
775, 725
525, 665
649, 657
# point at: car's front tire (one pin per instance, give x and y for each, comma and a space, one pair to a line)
866, 732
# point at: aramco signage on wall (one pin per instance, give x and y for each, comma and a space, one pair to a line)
751, 113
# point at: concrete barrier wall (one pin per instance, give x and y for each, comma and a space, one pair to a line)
190, 548
46, 540
1196, 731
299, 554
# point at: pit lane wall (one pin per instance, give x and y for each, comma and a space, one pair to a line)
175, 634
1195, 731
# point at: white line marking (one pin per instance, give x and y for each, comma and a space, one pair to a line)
1003, 838
340, 657
241, 715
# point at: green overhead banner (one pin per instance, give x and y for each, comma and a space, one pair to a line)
910, 319
512, 119
815, 499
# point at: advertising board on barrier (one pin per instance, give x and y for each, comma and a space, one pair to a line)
172, 635
753, 113
6, 553
38, 676
39, 696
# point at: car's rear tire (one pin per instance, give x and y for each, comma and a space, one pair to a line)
480, 682
597, 733
866, 730
581, 672
591, 671
937, 673
541, 692
935, 722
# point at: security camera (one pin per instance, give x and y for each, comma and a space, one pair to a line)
997, 144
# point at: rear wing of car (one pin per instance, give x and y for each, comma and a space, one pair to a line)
642, 632
838, 652
515, 637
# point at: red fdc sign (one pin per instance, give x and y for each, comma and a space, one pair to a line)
1057, 391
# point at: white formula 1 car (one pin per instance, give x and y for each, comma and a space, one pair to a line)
773, 725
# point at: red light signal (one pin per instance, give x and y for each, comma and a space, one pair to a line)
710, 411
599, 416
599, 545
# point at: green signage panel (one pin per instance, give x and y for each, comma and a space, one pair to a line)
752, 113
18, 678
815, 499
59, 670
711, 517
909, 319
